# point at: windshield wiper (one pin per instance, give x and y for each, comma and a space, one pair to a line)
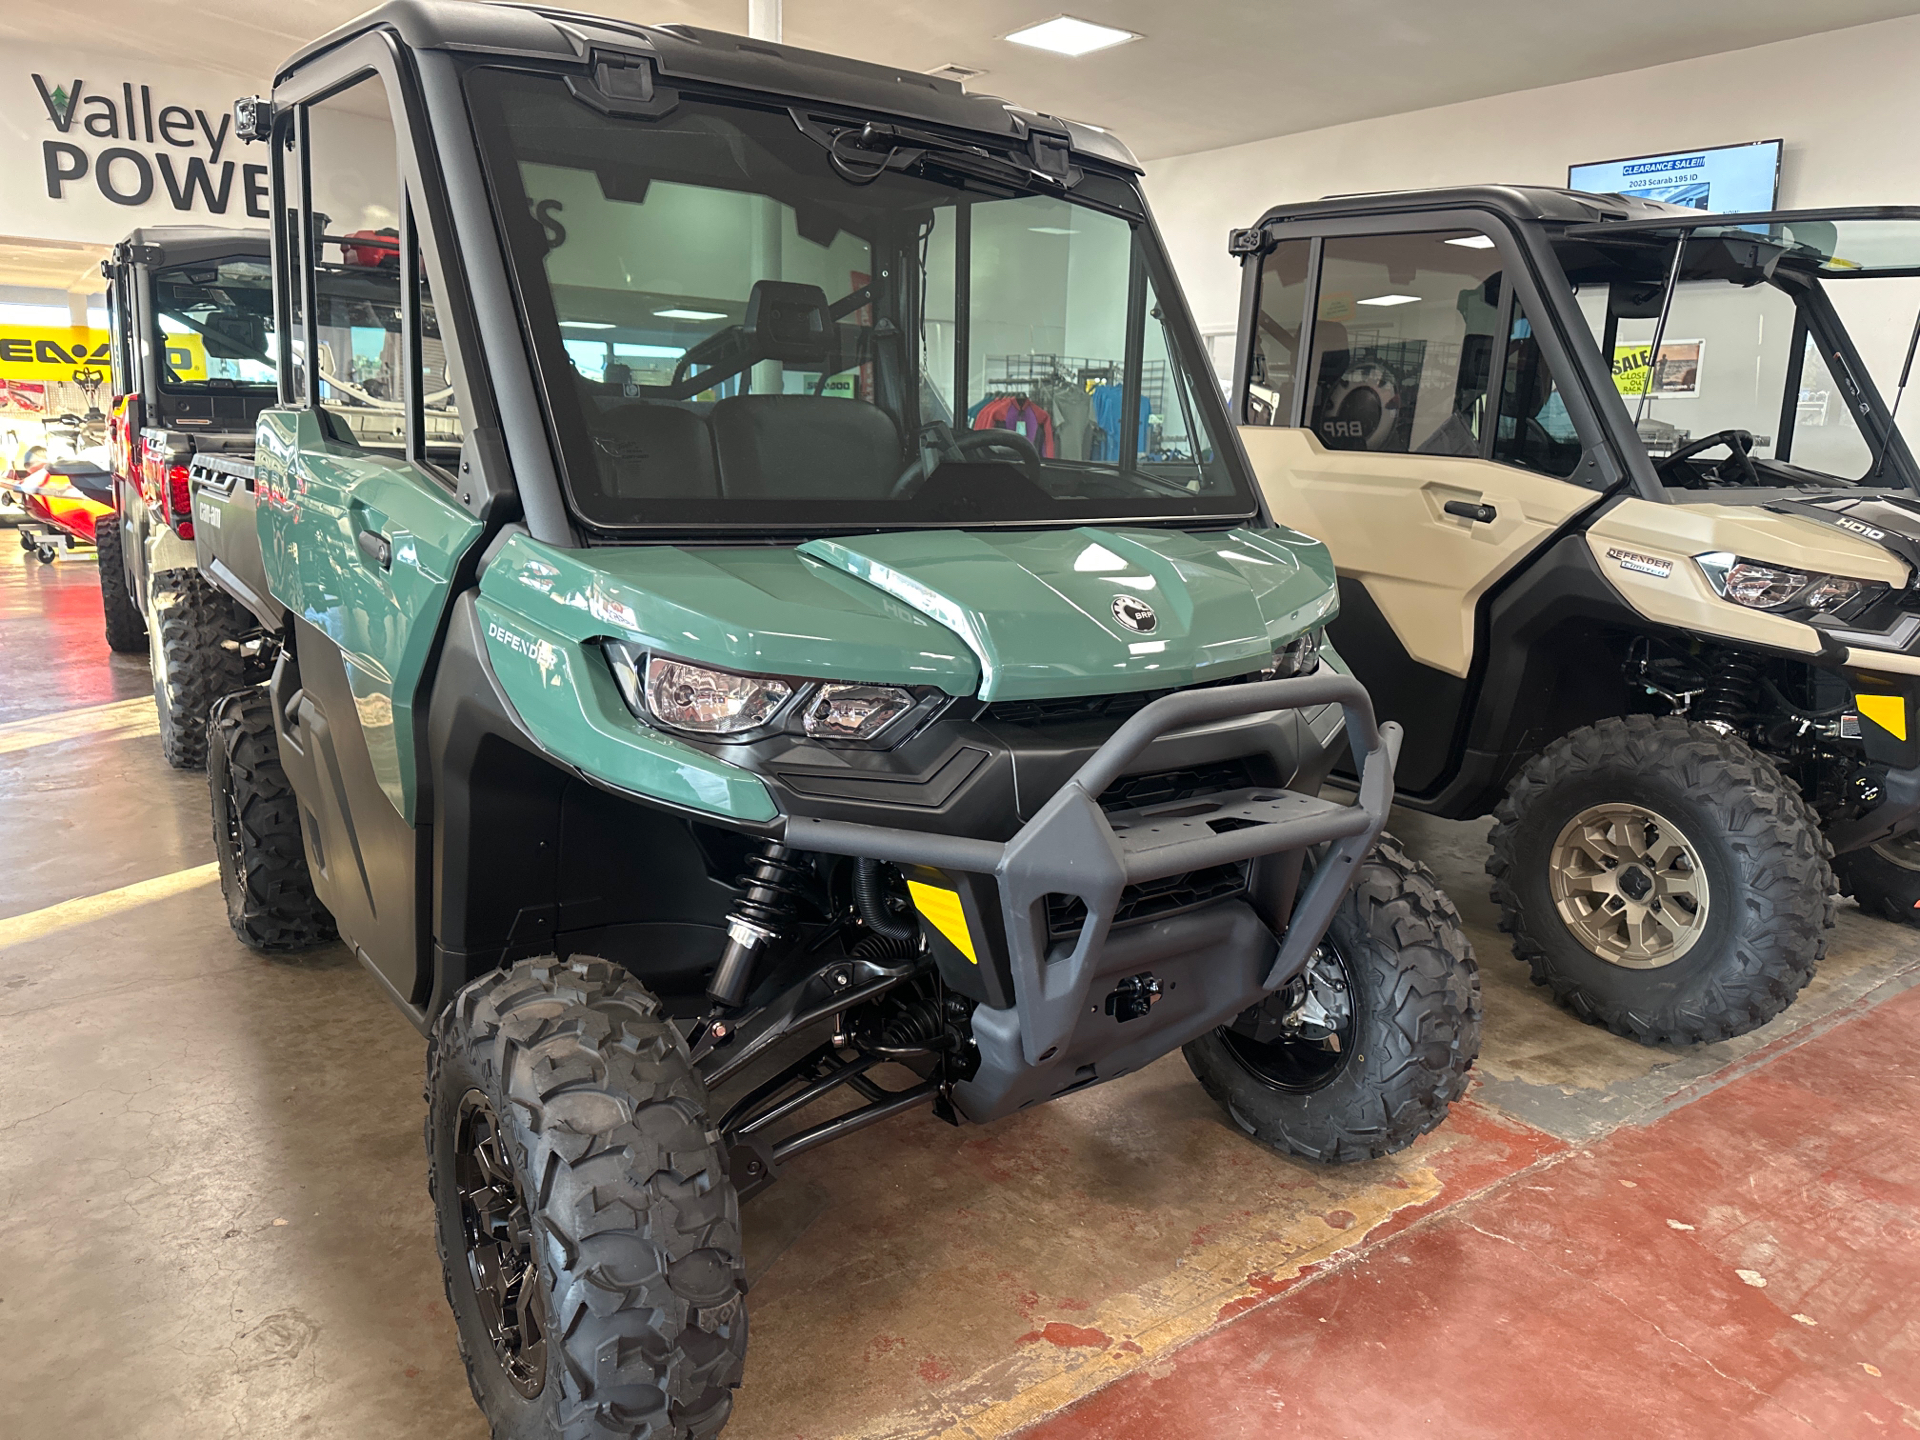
1047, 160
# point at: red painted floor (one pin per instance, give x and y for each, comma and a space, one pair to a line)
1749, 1265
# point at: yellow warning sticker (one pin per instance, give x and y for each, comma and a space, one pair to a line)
945, 913
1889, 712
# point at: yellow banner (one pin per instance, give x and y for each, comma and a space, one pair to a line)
50, 352
187, 357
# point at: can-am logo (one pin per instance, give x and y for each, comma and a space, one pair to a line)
135, 150
1854, 525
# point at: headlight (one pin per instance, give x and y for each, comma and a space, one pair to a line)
855, 712
692, 697
1299, 656
705, 701
1775, 587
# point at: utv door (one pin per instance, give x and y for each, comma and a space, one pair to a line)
361, 531
1403, 409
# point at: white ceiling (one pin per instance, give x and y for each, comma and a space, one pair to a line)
1208, 73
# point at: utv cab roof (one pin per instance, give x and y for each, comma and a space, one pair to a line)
688, 53
1523, 203
183, 244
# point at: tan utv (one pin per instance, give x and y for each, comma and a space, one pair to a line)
1627, 539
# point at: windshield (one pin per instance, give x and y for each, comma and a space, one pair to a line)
1756, 340
213, 326
743, 324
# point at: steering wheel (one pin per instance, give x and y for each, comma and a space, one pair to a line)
1739, 444
916, 475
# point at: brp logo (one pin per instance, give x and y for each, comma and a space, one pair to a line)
1134, 613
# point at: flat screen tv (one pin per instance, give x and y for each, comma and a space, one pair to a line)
1727, 179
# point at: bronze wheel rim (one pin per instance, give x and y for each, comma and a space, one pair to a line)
1902, 850
1628, 885
498, 1232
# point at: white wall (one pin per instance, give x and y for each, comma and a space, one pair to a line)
183, 115
1843, 102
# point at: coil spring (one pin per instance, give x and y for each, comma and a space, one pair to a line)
1731, 688
773, 885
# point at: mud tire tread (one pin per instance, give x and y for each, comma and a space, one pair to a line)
1419, 1033
636, 1225
197, 659
126, 631
1790, 902
271, 903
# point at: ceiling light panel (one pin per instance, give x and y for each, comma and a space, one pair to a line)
1390, 300
677, 314
1472, 242
1064, 35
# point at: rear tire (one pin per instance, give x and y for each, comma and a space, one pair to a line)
1753, 852
271, 903
1884, 879
573, 1166
194, 647
126, 631
1398, 961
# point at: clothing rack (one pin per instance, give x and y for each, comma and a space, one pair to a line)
1006, 373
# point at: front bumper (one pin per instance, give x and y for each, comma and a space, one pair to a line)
1213, 962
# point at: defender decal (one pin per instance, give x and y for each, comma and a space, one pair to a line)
1641, 564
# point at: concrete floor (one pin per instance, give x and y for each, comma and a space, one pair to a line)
217, 1222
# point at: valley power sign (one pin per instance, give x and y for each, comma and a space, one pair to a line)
133, 149
92, 152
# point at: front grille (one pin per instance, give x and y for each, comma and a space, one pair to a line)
1071, 708
1136, 792
1154, 900
1157, 899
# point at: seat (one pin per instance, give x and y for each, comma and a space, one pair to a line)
805, 447
647, 451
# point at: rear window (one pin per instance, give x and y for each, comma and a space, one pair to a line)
213, 326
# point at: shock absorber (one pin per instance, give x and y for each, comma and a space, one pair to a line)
1731, 688
772, 887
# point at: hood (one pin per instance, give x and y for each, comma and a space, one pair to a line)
1092, 611
1001, 615
1890, 520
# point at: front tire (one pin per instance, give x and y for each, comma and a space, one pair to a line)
126, 631
1379, 1031
271, 903
589, 1236
1662, 879
194, 647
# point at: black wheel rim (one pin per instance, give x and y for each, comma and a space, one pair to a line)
1304, 1035
236, 846
499, 1243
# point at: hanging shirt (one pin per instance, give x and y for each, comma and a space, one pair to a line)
1107, 400
1016, 412
1071, 409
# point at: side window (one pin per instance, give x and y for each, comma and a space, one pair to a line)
439, 405
1534, 429
1273, 358
353, 230
1403, 335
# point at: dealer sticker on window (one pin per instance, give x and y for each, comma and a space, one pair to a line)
1641, 564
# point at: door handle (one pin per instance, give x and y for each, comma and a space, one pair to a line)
376, 548
1467, 510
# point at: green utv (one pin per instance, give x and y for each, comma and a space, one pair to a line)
764, 522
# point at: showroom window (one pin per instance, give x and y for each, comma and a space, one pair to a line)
1403, 337
1534, 429
1274, 358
